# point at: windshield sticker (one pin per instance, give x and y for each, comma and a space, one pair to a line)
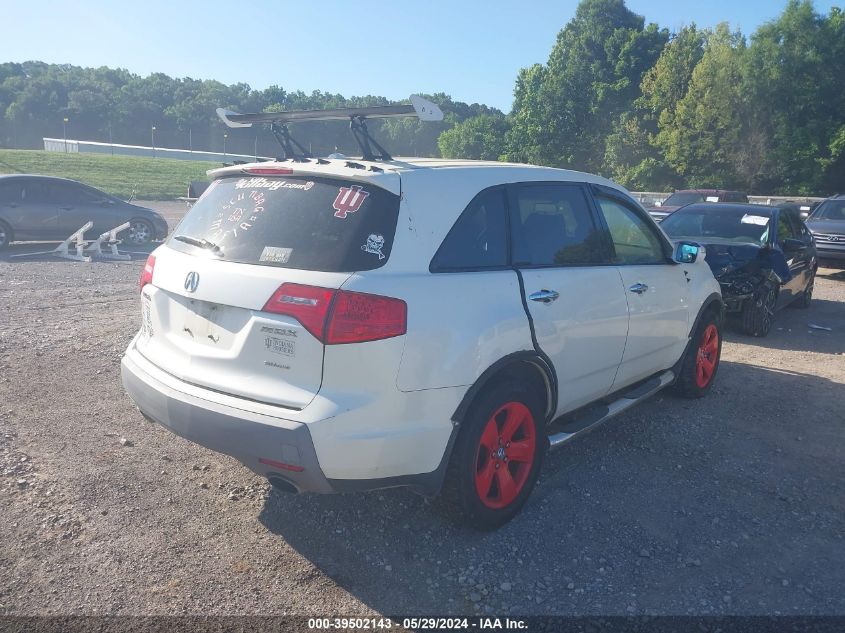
712, 199
275, 255
272, 184
240, 212
349, 200
282, 346
759, 220
374, 245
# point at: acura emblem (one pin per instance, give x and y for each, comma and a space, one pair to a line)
192, 281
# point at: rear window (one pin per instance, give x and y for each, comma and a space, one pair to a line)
292, 222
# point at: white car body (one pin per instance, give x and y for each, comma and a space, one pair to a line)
385, 412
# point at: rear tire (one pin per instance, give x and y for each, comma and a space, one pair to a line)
702, 360
141, 232
759, 311
496, 458
5, 235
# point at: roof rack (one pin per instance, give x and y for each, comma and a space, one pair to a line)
421, 108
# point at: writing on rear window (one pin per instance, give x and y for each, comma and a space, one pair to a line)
292, 222
272, 184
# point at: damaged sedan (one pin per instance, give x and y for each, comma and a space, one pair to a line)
764, 258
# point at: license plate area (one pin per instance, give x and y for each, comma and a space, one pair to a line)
201, 323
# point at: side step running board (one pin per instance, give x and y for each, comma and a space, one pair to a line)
594, 416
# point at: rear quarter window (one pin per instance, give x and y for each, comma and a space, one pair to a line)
308, 223
478, 240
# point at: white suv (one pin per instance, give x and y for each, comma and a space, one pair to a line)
343, 325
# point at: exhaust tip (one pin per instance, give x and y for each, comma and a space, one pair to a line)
282, 485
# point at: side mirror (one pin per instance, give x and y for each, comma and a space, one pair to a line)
790, 245
687, 252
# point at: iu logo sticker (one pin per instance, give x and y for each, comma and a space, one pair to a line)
349, 200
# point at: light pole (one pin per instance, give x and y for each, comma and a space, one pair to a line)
190, 140
111, 140
64, 132
153, 139
225, 136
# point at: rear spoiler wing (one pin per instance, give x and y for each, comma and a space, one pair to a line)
421, 108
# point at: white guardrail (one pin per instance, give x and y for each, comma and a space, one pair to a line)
72, 146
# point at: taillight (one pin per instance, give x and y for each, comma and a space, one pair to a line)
269, 171
358, 317
147, 273
307, 304
340, 316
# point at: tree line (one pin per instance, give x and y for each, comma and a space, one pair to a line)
113, 105
698, 108
651, 109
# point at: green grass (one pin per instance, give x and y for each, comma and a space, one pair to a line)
149, 178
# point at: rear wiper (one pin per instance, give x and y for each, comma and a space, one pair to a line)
200, 242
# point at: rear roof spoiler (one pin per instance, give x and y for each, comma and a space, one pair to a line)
421, 108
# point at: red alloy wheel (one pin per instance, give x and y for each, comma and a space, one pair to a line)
505, 455
707, 356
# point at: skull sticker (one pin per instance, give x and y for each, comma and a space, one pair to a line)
374, 245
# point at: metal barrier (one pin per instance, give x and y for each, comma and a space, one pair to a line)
84, 250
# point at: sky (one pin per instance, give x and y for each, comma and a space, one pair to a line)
469, 49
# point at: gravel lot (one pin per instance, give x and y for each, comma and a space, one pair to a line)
730, 505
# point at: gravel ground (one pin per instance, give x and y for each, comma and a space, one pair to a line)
729, 505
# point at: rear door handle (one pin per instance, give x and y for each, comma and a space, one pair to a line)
638, 288
544, 296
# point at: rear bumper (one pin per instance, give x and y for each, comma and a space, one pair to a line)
246, 436
333, 445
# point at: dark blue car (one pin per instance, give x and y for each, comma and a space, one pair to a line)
764, 258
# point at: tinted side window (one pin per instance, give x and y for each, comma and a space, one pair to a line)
553, 226
10, 192
785, 228
42, 191
479, 237
634, 242
74, 194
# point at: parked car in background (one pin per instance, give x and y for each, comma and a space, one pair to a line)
764, 258
691, 196
827, 223
45, 208
294, 322
804, 209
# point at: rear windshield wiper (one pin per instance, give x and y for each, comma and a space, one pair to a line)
200, 242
